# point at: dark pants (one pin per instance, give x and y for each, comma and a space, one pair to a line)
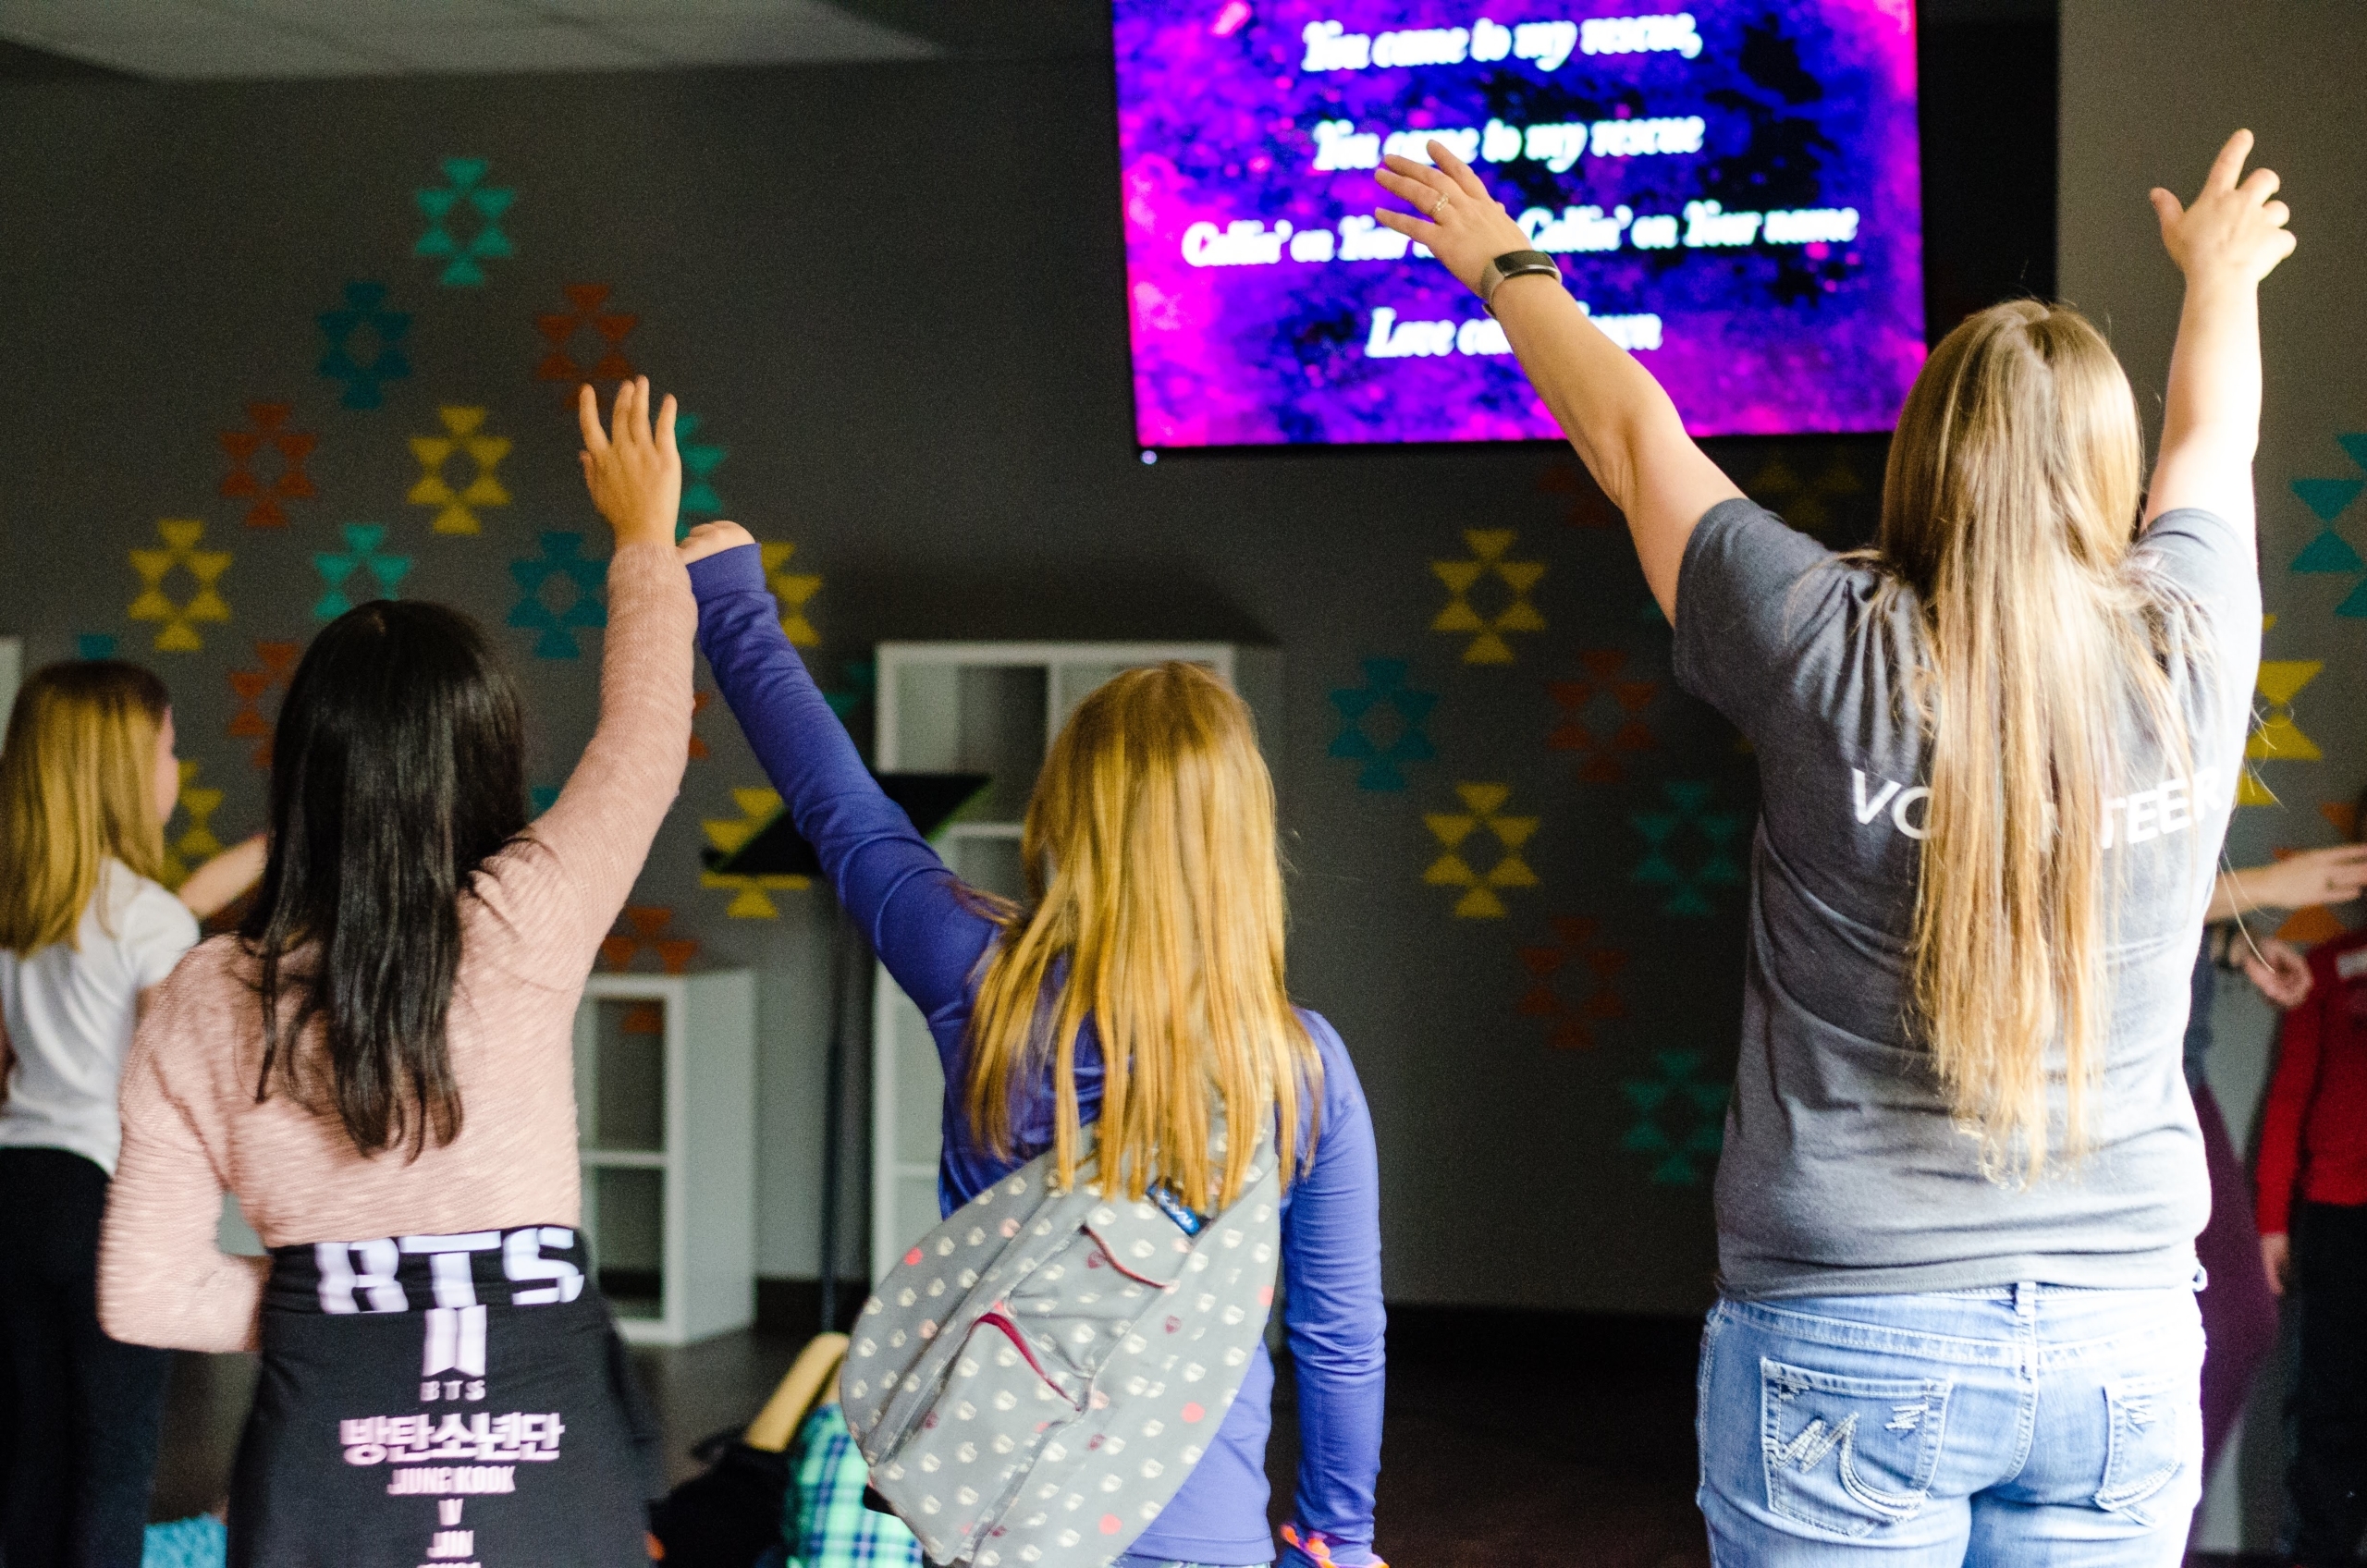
2238, 1310
86, 1411
2328, 1477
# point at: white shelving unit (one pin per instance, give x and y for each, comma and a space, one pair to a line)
991, 708
665, 1097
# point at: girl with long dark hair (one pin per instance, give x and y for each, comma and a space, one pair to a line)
1962, 1176
379, 1064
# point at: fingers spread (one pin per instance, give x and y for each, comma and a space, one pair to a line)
1458, 171
1422, 174
618, 418
666, 411
588, 414
640, 431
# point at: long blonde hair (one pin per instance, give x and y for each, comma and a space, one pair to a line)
2008, 508
1154, 882
77, 788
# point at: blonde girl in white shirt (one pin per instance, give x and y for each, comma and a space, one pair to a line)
87, 780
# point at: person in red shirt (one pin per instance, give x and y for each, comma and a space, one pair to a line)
2312, 1216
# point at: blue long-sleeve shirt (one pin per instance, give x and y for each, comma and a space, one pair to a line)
904, 899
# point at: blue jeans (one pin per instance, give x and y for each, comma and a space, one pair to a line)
2028, 1425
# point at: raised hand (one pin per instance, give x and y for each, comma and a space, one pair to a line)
712, 538
634, 473
2235, 228
1463, 226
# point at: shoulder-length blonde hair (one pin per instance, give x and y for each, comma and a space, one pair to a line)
77, 788
2008, 508
1155, 900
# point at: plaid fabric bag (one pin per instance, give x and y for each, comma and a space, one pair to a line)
828, 1524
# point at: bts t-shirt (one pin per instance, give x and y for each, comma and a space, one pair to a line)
1844, 1172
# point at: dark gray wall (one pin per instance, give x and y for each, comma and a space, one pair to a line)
895, 295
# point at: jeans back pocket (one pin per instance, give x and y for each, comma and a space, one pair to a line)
1848, 1455
2145, 1450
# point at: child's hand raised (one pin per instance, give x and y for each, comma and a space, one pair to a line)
634, 474
712, 539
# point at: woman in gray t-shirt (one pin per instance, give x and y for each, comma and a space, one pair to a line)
1962, 1174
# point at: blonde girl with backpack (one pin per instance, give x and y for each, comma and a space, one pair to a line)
87, 933
1962, 1176
1138, 986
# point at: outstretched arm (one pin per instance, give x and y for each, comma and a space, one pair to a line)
900, 895
557, 886
2231, 237
1624, 428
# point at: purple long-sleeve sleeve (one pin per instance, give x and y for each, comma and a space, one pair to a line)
931, 939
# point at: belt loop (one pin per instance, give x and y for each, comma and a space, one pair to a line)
2026, 1298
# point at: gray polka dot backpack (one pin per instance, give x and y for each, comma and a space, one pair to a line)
1036, 1378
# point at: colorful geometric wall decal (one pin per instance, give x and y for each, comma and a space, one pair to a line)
1715, 868
1487, 546
1396, 733
1598, 753
862, 680
454, 513
700, 459
648, 924
1679, 1118
364, 312
360, 556
699, 700
562, 557
792, 589
94, 644
1482, 802
543, 796
250, 686
1807, 505
1573, 1021
2342, 815
757, 808
2278, 737
2328, 552
610, 328
2327, 497
486, 202
267, 423
197, 843
2307, 927
178, 630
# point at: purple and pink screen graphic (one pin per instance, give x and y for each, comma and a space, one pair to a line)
1732, 190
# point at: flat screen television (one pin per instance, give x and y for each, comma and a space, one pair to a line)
1731, 190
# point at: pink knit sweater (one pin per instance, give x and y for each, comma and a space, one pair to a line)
530, 927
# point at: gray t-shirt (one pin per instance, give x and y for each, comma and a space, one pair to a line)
1844, 1172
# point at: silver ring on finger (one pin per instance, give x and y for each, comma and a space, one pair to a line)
1445, 197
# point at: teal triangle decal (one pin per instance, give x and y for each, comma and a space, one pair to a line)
2329, 552
2328, 496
